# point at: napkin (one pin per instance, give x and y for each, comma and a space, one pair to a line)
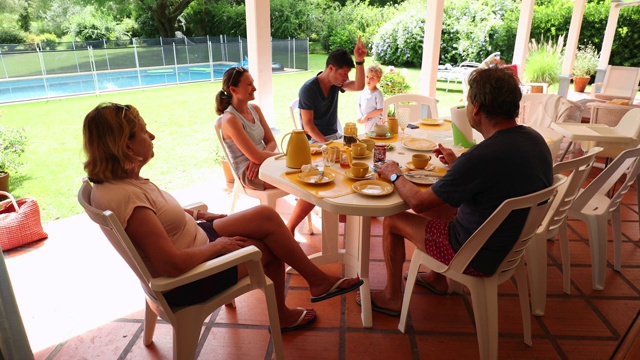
462, 131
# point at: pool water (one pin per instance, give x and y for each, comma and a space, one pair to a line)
65, 85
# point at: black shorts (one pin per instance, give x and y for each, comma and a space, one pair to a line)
203, 289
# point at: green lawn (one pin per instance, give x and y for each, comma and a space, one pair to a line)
181, 117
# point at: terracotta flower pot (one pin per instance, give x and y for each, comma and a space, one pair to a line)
580, 83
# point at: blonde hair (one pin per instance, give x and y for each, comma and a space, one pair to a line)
376, 70
106, 130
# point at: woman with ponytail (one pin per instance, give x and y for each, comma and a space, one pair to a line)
247, 136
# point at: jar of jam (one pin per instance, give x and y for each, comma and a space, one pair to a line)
345, 158
350, 132
380, 152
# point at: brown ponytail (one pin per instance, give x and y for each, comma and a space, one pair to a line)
230, 78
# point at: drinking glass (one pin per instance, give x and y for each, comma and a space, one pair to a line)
403, 122
329, 156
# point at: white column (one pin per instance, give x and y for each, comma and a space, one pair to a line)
521, 47
431, 48
571, 46
607, 42
259, 49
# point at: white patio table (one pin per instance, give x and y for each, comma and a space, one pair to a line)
359, 208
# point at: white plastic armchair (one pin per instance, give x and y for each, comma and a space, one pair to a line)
620, 82
595, 205
267, 197
294, 111
186, 321
484, 290
576, 171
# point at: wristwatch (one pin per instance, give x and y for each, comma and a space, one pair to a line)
395, 177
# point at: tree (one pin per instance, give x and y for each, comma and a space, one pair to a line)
165, 13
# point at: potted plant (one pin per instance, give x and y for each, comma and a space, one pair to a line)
12, 145
584, 66
544, 62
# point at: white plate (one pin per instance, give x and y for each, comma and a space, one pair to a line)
315, 149
421, 177
372, 188
350, 175
418, 144
434, 122
373, 135
311, 177
367, 154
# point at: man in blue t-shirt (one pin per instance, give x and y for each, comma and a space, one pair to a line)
512, 160
318, 97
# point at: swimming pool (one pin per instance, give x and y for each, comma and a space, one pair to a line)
86, 83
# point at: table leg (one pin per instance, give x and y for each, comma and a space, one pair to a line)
357, 246
330, 253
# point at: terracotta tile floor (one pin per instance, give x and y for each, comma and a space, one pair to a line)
79, 301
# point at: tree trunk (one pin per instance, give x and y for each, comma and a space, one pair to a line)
165, 13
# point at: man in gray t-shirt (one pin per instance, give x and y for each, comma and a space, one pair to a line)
318, 97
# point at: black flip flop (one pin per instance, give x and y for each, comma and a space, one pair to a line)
379, 309
335, 290
426, 285
298, 326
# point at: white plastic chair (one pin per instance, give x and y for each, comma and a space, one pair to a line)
295, 114
484, 290
186, 321
411, 107
266, 197
607, 114
544, 109
620, 82
594, 205
576, 171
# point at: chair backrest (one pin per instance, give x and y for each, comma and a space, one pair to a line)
538, 205
620, 82
116, 235
218, 127
544, 109
607, 114
626, 164
411, 106
295, 114
576, 170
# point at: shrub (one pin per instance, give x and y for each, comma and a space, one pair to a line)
393, 83
544, 62
586, 61
400, 40
13, 142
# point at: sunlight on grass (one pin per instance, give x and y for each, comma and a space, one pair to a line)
181, 117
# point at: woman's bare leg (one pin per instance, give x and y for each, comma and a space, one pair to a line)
300, 211
263, 224
274, 269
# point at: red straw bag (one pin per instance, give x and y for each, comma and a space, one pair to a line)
19, 222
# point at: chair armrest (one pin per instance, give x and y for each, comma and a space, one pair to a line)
247, 254
595, 88
200, 206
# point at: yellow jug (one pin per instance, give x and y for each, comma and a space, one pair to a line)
298, 151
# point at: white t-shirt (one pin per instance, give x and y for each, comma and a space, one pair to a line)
369, 101
122, 196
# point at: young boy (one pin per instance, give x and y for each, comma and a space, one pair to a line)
370, 101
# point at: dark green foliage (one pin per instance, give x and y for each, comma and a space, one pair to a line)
224, 17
